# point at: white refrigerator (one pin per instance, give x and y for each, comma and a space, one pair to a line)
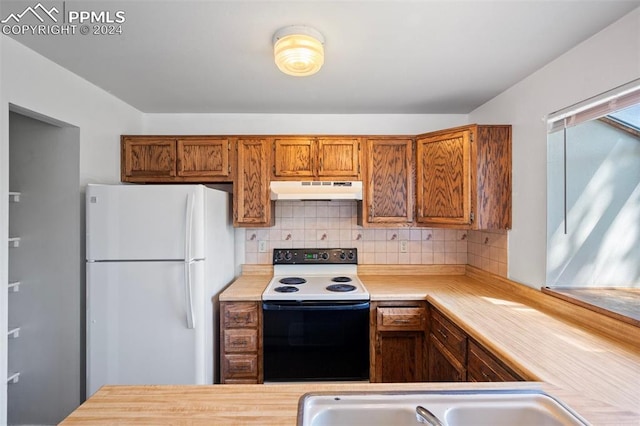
157, 257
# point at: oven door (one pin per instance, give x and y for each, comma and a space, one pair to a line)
316, 341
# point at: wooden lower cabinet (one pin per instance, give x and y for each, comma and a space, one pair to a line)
456, 357
484, 367
240, 342
398, 342
447, 350
443, 366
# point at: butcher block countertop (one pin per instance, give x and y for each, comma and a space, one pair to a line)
275, 404
590, 361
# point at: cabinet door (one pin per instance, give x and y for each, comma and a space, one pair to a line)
444, 367
294, 157
389, 181
339, 157
204, 158
443, 183
398, 349
399, 356
147, 159
252, 204
484, 367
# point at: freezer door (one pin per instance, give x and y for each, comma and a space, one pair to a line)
137, 329
145, 222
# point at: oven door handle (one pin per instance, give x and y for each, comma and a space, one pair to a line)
356, 306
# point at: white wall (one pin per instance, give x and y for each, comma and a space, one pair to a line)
606, 60
352, 124
31, 82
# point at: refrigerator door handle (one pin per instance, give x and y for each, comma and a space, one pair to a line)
188, 261
188, 228
191, 321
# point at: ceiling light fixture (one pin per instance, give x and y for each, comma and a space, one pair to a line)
298, 50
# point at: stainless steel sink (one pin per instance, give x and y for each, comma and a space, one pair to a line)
452, 408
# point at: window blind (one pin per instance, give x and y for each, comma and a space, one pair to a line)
595, 107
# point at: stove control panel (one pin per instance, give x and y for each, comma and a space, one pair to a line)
293, 256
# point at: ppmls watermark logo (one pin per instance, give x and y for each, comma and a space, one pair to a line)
57, 20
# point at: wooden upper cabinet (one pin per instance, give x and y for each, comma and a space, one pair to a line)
388, 182
294, 157
339, 157
147, 159
463, 178
252, 203
443, 179
163, 159
309, 158
204, 157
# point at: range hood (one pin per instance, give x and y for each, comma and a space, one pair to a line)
316, 190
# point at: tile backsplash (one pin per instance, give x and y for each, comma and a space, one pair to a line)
322, 224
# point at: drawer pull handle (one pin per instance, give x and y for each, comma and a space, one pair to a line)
401, 321
442, 333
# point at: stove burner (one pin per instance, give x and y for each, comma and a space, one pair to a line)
286, 289
341, 287
341, 279
292, 280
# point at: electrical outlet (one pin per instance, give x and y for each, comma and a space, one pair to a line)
262, 246
404, 246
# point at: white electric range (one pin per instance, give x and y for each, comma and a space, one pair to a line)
315, 317
315, 275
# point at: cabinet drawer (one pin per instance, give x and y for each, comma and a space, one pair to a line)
240, 366
241, 340
401, 318
450, 335
483, 367
240, 314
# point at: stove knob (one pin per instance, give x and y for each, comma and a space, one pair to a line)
343, 255
324, 256
279, 256
287, 256
351, 255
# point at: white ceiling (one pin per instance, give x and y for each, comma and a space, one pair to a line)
381, 56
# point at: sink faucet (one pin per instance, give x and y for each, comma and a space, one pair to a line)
425, 416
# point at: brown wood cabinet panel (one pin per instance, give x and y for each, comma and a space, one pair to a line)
147, 159
443, 179
463, 177
339, 157
443, 366
450, 335
240, 366
401, 318
252, 204
484, 367
398, 348
294, 157
240, 342
240, 314
388, 196
400, 357
204, 157
493, 177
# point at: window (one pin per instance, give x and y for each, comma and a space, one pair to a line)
593, 192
